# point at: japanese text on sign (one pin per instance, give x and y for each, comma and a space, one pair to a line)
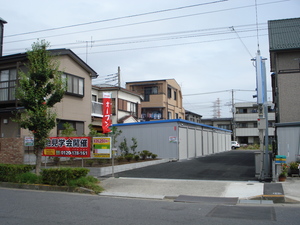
68, 147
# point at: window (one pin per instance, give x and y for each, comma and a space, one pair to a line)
175, 95
149, 91
8, 84
94, 98
241, 110
224, 126
169, 115
75, 84
169, 92
77, 125
242, 125
133, 108
176, 115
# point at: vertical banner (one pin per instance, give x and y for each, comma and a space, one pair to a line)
102, 147
106, 121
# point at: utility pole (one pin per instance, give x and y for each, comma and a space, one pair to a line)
233, 115
119, 77
262, 120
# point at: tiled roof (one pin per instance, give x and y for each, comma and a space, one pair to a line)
284, 34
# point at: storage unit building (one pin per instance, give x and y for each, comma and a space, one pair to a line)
175, 139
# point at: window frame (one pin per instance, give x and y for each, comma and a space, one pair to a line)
73, 82
8, 87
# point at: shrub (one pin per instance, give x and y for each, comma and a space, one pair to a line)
8, 172
136, 157
61, 176
120, 158
294, 165
28, 178
102, 161
123, 146
89, 162
144, 154
153, 156
129, 157
56, 160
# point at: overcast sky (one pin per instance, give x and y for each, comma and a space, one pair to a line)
205, 45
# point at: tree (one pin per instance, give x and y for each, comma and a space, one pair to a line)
39, 90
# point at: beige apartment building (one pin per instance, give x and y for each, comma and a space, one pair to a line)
162, 99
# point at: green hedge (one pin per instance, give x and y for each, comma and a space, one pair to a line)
9, 172
62, 176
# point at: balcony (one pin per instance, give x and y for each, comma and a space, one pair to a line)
97, 109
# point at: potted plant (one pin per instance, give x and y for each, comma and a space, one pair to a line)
284, 172
294, 168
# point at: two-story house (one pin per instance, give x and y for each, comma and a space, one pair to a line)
75, 107
162, 99
284, 47
125, 105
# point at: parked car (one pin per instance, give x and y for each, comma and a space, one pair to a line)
235, 144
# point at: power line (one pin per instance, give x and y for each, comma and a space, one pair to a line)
137, 23
117, 18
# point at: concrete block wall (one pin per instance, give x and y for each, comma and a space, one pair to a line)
11, 150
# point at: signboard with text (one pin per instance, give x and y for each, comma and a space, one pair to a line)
102, 147
28, 141
68, 147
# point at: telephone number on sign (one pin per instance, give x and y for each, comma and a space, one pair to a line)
73, 152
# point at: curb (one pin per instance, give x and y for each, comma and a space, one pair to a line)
43, 187
104, 171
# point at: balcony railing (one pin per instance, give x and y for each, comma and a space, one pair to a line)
97, 109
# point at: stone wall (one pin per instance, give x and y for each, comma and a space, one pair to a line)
11, 150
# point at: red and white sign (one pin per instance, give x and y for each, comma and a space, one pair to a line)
106, 121
68, 147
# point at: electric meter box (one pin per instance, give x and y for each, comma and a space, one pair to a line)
261, 123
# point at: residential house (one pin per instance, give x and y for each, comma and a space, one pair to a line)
162, 99
125, 105
74, 108
284, 47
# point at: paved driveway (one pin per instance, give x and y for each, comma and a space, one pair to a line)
235, 165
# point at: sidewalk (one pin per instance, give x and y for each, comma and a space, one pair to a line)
173, 188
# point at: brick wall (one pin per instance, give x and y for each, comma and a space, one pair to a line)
11, 150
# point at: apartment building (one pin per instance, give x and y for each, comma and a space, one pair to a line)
126, 105
162, 99
284, 47
245, 122
193, 117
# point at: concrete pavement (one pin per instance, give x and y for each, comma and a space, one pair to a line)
245, 191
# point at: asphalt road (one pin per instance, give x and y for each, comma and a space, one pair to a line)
235, 165
37, 207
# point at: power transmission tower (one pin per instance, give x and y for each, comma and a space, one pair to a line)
217, 109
